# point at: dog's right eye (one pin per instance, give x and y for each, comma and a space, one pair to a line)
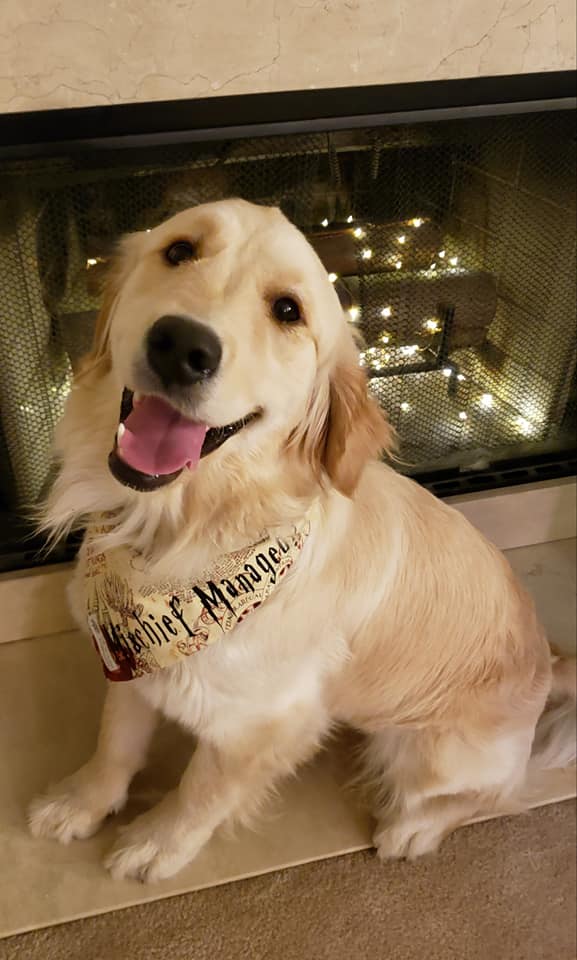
179, 252
286, 310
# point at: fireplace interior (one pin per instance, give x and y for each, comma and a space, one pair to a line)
451, 242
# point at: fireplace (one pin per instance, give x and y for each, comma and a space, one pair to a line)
444, 213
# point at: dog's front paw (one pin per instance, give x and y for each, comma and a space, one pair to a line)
75, 808
155, 846
61, 818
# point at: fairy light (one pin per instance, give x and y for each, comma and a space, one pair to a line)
463, 416
376, 358
405, 407
409, 351
442, 254
432, 325
91, 262
486, 401
354, 313
350, 218
385, 338
324, 223
366, 254
416, 222
399, 265
358, 232
433, 267
386, 311
461, 377
447, 371
402, 239
524, 425
333, 277
453, 261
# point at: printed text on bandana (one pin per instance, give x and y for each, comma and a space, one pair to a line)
139, 627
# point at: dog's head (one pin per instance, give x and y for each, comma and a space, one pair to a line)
223, 334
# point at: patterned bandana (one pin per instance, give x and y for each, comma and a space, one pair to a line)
139, 627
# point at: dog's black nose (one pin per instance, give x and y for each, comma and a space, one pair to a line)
182, 351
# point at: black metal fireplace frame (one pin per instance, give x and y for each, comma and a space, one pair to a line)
48, 132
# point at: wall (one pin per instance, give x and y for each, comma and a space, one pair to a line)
70, 53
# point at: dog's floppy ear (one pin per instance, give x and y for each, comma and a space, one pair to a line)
357, 430
98, 360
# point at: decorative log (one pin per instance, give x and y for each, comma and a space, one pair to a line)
473, 297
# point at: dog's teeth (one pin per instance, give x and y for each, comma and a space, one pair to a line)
120, 432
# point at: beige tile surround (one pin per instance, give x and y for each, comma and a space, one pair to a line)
72, 53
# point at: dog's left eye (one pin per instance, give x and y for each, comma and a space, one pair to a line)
286, 310
179, 252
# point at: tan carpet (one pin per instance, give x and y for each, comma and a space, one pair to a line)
503, 890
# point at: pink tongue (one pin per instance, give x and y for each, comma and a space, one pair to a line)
159, 440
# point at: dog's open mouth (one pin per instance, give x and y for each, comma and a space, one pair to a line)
154, 442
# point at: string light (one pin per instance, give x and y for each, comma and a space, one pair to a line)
486, 401
453, 261
91, 262
432, 325
417, 222
524, 425
354, 313
358, 232
447, 371
409, 351
399, 265
461, 377
402, 239
405, 407
375, 357
463, 416
433, 266
350, 218
333, 277
378, 364
367, 254
385, 338
324, 223
442, 254
386, 311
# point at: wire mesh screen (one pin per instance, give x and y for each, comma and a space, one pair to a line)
452, 245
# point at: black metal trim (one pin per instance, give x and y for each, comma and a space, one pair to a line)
43, 132
506, 473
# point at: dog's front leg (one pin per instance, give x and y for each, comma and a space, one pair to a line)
76, 807
224, 781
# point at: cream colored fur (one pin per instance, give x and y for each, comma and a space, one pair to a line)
399, 619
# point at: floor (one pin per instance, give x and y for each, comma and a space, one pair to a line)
503, 889
48, 725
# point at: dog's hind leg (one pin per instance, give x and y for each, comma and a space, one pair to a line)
431, 782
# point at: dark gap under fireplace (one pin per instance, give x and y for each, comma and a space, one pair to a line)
444, 212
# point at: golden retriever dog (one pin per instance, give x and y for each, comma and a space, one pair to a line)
243, 409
